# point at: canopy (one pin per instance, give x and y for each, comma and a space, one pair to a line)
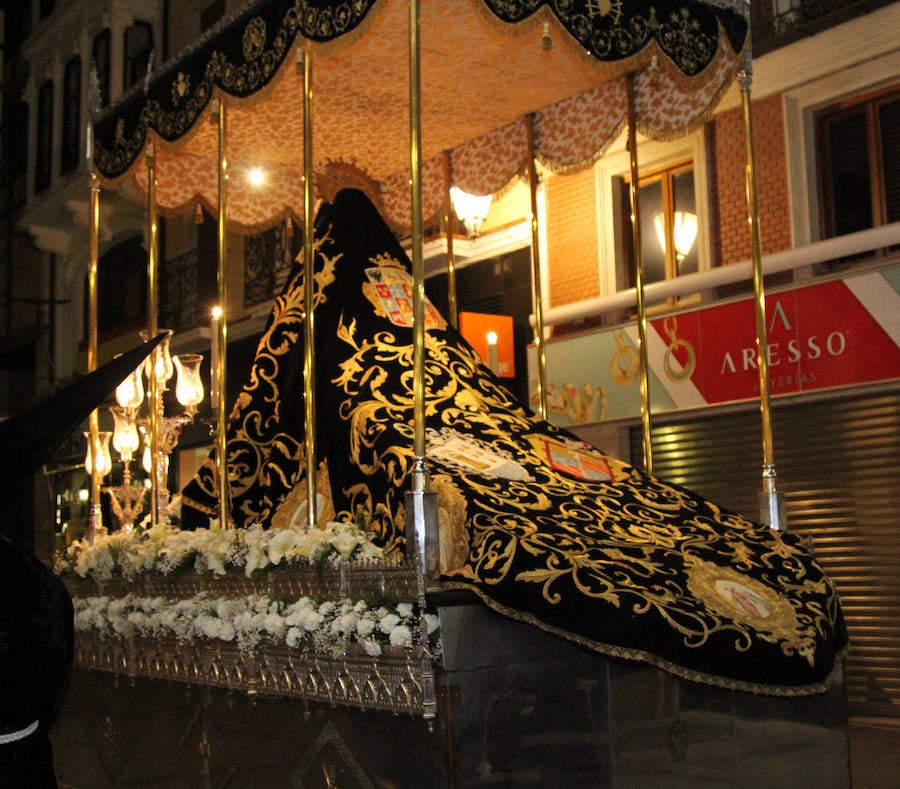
486, 67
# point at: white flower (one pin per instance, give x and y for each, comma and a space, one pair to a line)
256, 559
345, 543
284, 541
371, 647
388, 623
331, 626
345, 623
432, 622
273, 624
401, 637
294, 637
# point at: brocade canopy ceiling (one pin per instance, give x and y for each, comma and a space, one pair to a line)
542, 526
486, 74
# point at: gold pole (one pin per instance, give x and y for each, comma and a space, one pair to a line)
420, 482
152, 330
96, 513
536, 274
771, 500
309, 359
421, 503
222, 326
448, 232
639, 276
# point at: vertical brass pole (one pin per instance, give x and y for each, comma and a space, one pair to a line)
96, 513
418, 263
448, 233
421, 503
153, 392
309, 359
222, 282
536, 274
639, 276
771, 500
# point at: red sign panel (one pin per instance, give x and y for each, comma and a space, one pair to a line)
819, 337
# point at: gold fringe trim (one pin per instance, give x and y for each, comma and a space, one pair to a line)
584, 164
336, 45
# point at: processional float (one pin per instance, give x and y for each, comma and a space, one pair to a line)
559, 106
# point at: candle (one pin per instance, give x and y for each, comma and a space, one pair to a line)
214, 358
493, 359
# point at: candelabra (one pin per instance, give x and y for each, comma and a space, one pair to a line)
131, 395
127, 498
97, 464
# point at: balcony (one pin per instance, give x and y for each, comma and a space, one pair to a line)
777, 23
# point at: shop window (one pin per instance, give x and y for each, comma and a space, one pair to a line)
44, 163
669, 224
101, 64
138, 46
859, 164
71, 120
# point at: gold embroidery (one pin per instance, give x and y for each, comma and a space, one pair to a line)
748, 602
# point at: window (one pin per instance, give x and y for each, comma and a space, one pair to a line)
121, 287
44, 163
17, 156
71, 120
669, 225
859, 164
138, 46
100, 54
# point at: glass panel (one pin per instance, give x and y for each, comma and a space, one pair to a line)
43, 168
653, 240
684, 223
138, 46
850, 176
71, 132
889, 121
100, 52
122, 286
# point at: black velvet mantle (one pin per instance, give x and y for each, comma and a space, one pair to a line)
542, 526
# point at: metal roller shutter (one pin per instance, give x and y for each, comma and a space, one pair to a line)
838, 463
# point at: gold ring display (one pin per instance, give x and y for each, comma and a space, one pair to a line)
625, 362
673, 373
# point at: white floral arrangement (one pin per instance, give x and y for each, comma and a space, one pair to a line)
167, 550
330, 627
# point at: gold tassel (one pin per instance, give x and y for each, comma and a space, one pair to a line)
198, 215
289, 227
